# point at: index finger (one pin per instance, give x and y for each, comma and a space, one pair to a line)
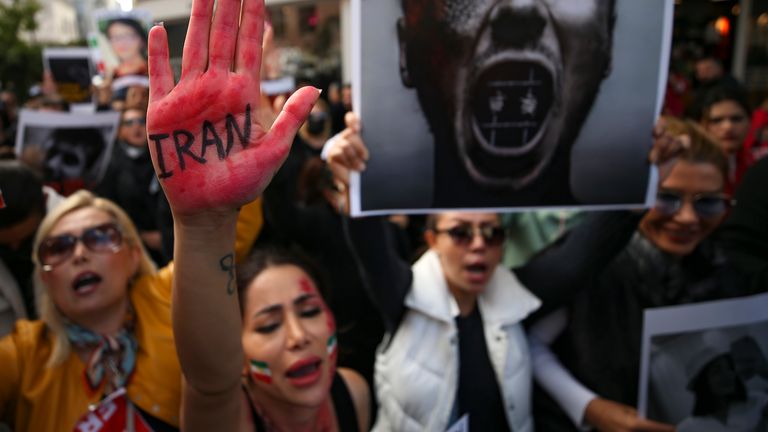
645, 425
355, 148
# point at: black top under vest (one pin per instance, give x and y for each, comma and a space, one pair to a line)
478, 393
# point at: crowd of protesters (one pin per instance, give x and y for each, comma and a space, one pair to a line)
253, 302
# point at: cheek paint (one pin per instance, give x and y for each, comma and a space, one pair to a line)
260, 371
331, 345
333, 351
307, 287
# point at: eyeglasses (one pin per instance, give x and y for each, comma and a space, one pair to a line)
462, 235
128, 37
102, 238
705, 205
136, 121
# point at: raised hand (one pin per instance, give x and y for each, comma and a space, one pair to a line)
209, 149
348, 151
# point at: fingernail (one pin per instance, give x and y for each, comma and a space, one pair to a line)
319, 91
160, 23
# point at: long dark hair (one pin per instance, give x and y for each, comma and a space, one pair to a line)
135, 25
706, 401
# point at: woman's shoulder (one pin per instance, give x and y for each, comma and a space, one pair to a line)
29, 333
360, 394
28, 341
154, 286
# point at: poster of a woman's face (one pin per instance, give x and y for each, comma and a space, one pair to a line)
123, 41
706, 365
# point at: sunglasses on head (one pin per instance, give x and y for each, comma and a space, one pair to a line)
103, 238
463, 235
135, 121
706, 205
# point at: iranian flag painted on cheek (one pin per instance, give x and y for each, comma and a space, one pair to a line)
260, 372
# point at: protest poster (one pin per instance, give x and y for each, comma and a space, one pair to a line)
703, 360
507, 106
121, 42
72, 70
70, 150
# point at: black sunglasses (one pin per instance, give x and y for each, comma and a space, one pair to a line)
102, 238
462, 235
706, 205
135, 121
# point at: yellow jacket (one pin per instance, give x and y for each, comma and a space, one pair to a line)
36, 398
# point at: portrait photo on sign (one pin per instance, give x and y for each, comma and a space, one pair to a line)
705, 366
507, 105
72, 70
70, 150
122, 42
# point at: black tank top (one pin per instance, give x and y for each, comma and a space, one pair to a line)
342, 403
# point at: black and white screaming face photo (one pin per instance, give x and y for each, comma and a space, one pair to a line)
507, 104
512, 80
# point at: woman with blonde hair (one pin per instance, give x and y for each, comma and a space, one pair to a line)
105, 329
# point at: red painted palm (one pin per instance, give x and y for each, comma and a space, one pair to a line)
208, 147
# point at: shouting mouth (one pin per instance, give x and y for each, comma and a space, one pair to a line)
510, 104
86, 283
477, 272
305, 372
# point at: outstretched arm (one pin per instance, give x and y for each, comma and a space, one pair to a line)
212, 156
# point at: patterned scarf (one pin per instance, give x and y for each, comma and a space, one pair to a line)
118, 353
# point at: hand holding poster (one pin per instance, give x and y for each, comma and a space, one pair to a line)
505, 104
705, 365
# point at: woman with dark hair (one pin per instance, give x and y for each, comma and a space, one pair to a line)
128, 40
721, 399
725, 115
276, 384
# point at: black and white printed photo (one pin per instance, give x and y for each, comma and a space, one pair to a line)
70, 150
488, 104
714, 375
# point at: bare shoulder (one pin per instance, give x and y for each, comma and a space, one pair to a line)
361, 395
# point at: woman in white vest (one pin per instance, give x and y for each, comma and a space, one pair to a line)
455, 356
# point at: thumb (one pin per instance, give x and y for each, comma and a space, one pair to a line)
293, 114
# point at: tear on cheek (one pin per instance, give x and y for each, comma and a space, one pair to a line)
573, 11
